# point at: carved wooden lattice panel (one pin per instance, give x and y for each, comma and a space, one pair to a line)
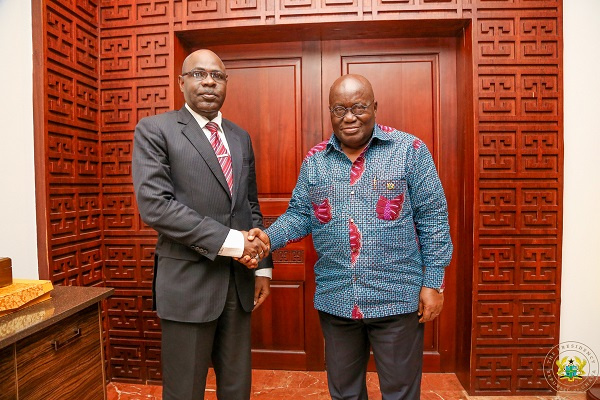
72, 151
109, 63
518, 193
135, 62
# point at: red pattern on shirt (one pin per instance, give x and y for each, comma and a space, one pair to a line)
322, 211
355, 241
317, 148
358, 167
356, 313
389, 209
387, 129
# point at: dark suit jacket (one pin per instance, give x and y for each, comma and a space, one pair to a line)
182, 193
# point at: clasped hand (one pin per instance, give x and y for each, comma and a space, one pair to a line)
254, 250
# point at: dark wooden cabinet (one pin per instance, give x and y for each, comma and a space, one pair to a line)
62, 361
53, 350
8, 375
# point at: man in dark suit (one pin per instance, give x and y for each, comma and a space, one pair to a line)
195, 184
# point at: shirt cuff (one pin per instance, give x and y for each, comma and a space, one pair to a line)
434, 277
233, 246
266, 272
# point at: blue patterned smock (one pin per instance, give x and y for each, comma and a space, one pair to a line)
379, 225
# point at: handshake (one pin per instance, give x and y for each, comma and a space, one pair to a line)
257, 246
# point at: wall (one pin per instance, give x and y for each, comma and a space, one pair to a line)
580, 315
66, 36
517, 175
580, 319
18, 238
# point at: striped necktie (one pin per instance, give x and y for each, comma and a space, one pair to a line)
221, 152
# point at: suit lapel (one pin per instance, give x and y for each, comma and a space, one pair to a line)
192, 131
235, 150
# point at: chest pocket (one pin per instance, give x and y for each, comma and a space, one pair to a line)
321, 198
390, 196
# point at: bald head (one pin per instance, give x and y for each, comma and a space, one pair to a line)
202, 54
351, 83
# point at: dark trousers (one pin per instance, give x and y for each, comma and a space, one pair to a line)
188, 349
397, 344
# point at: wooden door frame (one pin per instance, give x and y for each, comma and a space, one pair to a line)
185, 41
305, 56
441, 52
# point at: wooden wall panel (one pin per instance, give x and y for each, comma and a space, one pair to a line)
518, 193
106, 64
70, 198
136, 66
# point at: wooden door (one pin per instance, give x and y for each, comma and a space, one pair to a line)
274, 92
279, 93
414, 81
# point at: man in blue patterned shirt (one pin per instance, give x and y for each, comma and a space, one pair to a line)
373, 201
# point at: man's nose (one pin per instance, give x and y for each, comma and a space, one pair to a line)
349, 115
208, 81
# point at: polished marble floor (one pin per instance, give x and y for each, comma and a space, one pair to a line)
300, 385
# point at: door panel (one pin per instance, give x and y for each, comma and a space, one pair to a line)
274, 92
413, 86
412, 97
268, 95
279, 93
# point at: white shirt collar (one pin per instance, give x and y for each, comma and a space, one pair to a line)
202, 120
